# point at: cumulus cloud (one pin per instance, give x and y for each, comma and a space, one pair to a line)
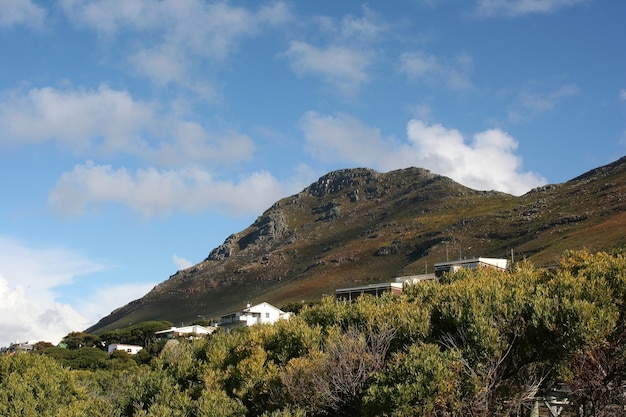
424, 67
108, 122
75, 117
622, 94
338, 66
176, 36
516, 8
28, 279
151, 191
21, 12
532, 103
486, 162
345, 59
107, 298
351, 29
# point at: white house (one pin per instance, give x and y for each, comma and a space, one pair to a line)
415, 279
377, 290
186, 331
130, 349
18, 347
474, 263
251, 315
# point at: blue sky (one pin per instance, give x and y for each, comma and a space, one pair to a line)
136, 135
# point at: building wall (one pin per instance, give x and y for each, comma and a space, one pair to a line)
130, 349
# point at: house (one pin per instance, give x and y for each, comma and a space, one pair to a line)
400, 282
251, 315
18, 347
192, 331
473, 263
377, 290
415, 279
130, 349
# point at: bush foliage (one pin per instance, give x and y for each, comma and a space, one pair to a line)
479, 343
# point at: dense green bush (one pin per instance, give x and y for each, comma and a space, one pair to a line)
34, 385
89, 358
479, 343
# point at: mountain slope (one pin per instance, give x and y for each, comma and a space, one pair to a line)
358, 226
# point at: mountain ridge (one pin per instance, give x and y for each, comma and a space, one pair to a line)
358, 226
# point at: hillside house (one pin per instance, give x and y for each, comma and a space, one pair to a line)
349, 294
193, 331
473, 263
400, 283
377, 290
130, 349
414, 279
251, 315
17, 347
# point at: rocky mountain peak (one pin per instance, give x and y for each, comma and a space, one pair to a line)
340, 180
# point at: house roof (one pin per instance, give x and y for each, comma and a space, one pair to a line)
187, 329
126, 346
257, 308
371, 287
497, 262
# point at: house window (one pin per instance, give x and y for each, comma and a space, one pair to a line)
129, 350
267, 315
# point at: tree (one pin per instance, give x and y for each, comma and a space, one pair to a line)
77, 340
141, 334
42, 345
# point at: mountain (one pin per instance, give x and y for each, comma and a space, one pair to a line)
359, 226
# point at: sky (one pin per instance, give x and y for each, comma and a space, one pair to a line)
137, 135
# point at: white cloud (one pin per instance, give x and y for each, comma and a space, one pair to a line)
351, 29
77, 118
531, 103
110, 16
516, 8
107, 298
28, 279
174, 37
21, 12
622, 94
486, 162
421, 66
162, 64
108, 122
345, 60
367, 28
45, 267
344, 138
181, 263
339, 66
151, 191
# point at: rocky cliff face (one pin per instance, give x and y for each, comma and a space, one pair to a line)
359, 226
